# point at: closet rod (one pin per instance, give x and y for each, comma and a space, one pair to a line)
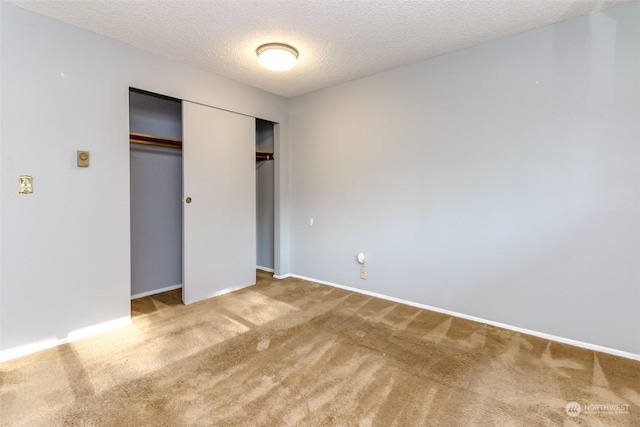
157, 141
263, 155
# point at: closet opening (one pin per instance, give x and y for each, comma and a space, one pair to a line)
264, 195
193, 211
155, 124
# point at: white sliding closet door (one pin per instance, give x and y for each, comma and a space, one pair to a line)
219, 248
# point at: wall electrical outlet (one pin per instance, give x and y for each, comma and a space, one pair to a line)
363, 272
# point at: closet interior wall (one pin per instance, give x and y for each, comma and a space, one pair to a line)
156, 196
264, 197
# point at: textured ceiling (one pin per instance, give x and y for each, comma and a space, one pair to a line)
338, 40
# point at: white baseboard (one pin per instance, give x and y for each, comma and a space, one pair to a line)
267, 269
543, 335
100, 328
156, 291
284, 276
221, 292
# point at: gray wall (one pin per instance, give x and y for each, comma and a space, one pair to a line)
502, 181
264, 195
155, 115
65, 250
156, 196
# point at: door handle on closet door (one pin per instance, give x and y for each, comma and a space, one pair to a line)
188, 200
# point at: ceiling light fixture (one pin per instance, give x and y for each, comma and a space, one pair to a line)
277, 56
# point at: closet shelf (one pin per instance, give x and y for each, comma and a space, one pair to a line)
158, 141
263, 155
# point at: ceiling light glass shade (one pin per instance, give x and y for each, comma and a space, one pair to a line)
277, 56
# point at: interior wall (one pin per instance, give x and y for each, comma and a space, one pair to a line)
156, 218
156, 196
1, 174
155, 115
264, 196
65, 249
501, 181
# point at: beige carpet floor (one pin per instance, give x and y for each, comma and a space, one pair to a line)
294, 353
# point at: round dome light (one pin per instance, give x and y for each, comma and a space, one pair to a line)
277, 56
